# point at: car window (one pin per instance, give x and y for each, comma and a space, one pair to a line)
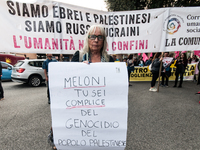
31, 63
40, 63
18, 64
4, 66
36, 63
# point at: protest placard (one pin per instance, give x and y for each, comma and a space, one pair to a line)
167, 61
89, 105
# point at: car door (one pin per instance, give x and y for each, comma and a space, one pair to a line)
39, 68
36, 68
6, 71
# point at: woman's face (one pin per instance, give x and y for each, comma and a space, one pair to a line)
182, 55
96, 44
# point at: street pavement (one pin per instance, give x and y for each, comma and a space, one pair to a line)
164, 120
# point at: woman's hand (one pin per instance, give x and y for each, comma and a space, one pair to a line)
87, 62
161, 58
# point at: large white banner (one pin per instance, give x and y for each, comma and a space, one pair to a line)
51, 27
89, 105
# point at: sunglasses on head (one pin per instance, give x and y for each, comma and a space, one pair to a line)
93, 37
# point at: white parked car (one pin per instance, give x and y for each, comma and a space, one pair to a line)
29, 71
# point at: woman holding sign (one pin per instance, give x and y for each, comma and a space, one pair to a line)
95, 46
94, 50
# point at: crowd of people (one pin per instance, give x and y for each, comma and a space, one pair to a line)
138, 60
180, 62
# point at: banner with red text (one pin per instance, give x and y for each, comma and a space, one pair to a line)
53, 27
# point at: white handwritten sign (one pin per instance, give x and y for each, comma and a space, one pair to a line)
89, 105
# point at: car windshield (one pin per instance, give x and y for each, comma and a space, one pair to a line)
18, 64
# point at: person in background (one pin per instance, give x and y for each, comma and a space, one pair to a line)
135, 61
124, 60
45, 67
115, 57
1, 88
130, 66
196, 72
166, 73
155, 70
198, 67
172, 55
189, 60
181, 64
194, 59
149, 61
141, 62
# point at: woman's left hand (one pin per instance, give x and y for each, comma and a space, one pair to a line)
87, 62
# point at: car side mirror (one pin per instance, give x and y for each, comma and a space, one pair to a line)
9, 68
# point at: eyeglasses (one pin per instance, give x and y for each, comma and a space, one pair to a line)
93, 37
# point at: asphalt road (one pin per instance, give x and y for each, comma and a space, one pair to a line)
164, 120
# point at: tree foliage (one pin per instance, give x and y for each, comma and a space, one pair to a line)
121, 5
125, 5
180, 3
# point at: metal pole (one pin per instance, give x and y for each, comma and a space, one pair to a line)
159, 73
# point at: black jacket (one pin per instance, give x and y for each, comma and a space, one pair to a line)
181, 66
75, 57
155, 65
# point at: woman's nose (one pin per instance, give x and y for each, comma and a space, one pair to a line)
96, 39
